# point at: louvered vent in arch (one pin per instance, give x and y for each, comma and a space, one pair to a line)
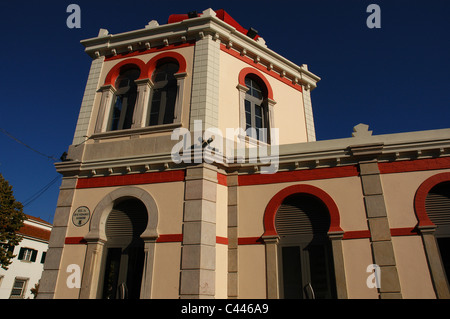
302, 216
126, 222
437, 206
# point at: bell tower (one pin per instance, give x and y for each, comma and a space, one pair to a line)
199, 70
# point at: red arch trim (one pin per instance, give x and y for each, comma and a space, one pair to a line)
146, 68
421, 195
151, 65
275, 202
246, 71
115, 71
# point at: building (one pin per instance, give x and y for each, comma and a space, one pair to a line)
194, 173
25, 271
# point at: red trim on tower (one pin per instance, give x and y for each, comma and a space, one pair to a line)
151, 65
131, 179
260, 67
246, 71
152, 50
221, 14
115, 71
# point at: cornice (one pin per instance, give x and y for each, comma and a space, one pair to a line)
310, 155
192, 30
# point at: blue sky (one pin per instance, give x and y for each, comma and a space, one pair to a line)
395, 79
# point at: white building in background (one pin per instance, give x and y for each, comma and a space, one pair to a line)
26, 268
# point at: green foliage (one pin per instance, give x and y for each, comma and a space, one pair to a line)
11, 220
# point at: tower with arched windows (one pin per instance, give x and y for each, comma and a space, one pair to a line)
166, 192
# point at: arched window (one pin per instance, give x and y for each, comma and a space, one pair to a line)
164, 95
121, 116
302, 222
437, 206
256, 111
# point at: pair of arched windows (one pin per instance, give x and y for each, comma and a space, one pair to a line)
162, 102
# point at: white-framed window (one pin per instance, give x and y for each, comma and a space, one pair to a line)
27, 254
121, 115
19, 287
164, 94
256, 109
256, 114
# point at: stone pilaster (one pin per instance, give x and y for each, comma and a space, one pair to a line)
233, 260
380, 234
205, 82
198, 263
52, 263
88, 100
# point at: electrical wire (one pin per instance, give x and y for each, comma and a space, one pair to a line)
40, 192
26, 145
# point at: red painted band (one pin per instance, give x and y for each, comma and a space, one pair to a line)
221, 240
74, 241
152, 50
222, 179
356, 234
296, 176
414, 165
170, 238
131, 179
250, 241
260, 67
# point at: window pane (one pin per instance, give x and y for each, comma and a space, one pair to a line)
258, 110
123, 109
444, 248
248, 106
258, 122
292, 273
18, 288
117, 110
321, 270
164, 95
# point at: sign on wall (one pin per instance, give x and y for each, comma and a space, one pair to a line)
81, 216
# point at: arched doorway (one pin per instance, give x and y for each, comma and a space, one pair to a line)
306, 268
124, 249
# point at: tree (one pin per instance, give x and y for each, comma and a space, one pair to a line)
11, 220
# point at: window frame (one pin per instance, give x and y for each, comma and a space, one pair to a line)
23, 289
267, 104
27, 254
124, 111
144, 87
157, 85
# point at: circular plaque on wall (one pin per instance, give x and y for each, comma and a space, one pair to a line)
81, 216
